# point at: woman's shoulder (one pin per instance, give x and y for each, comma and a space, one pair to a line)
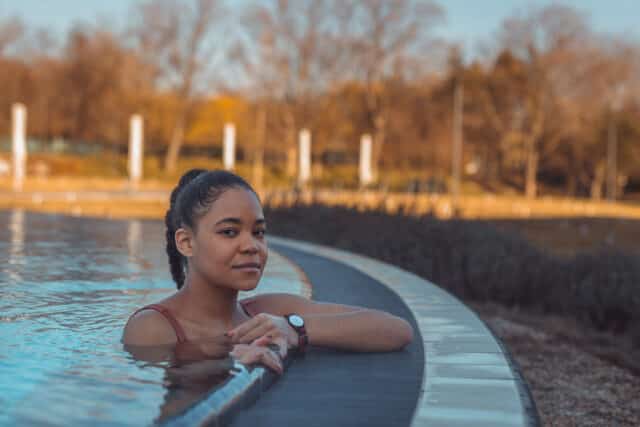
148, 327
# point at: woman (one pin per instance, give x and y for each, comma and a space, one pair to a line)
217, 247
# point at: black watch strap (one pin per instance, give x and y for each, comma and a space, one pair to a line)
297, 323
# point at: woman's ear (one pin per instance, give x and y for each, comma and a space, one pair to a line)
184, 241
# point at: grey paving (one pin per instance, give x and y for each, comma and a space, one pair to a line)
469, 379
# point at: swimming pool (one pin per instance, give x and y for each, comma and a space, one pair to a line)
67, 286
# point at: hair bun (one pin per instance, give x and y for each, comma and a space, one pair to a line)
188, 176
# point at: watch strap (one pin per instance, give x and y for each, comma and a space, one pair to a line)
303, 338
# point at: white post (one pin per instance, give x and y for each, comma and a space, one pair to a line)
305, 156
365, 160
19, 119
229, 148
136, 137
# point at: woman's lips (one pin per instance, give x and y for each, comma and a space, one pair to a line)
250, 266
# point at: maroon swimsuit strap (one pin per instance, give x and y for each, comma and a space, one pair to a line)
174, 322
167, 315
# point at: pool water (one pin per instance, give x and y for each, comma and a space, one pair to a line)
67, 286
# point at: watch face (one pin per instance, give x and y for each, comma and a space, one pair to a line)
296, 320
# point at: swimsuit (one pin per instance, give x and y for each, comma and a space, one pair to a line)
174, 322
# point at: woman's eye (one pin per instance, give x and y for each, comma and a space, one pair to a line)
229, 232
260, 233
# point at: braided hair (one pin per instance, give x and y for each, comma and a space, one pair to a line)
190, 200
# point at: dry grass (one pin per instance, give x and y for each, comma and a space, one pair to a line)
572, 384
467, 207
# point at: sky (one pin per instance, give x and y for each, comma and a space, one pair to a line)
467, 21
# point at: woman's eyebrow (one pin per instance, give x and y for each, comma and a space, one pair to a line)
232, 220
259, 221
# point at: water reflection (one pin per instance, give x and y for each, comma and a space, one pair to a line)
16, 249
134, 239
192, 370
66, 289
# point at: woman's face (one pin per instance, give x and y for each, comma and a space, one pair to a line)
229, 247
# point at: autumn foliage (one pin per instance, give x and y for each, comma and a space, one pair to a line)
545, 102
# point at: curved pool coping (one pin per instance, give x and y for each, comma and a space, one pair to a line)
469, 376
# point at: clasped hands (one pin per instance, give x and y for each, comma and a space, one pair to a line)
265, 339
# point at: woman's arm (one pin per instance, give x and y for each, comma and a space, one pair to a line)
363, 330
329, 325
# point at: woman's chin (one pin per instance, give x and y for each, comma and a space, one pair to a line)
246, 285
247, 280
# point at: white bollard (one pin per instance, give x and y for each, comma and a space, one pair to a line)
19, 120
135, 149
229, 148
365, 160
305, 156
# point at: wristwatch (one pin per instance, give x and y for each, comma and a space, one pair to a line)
297, 323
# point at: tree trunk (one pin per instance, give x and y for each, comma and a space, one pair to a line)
572, 184
291, 145
258, 161
177, 136
598, 180
532, 169
612, 154
378, 144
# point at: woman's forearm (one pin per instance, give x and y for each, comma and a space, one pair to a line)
362, 330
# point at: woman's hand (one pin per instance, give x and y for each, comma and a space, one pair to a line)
264, 329
248, 354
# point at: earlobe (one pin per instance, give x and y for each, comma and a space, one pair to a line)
183, 242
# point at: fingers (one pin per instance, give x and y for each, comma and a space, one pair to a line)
279, 344
242, 329
249, 354
260, 325
263, 329
272, 360
264, 340
284, 348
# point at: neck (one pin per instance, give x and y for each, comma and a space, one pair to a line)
208, 304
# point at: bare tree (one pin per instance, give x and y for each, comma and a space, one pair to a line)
548, 41
381, 36
97, 84
291, 57
11, 30
172, 35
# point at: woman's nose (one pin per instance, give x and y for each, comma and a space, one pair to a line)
249, 244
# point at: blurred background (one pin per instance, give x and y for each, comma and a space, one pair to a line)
516, 121
546, 94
